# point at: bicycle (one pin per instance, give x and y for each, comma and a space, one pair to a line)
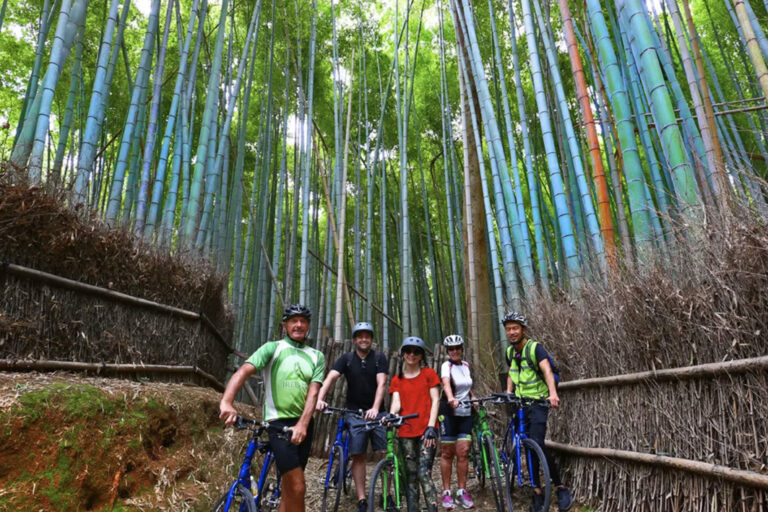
389, 472
486, 458
521, 454
339, 472
267, 496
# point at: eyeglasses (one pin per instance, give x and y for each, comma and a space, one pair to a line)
451, 349
411, 350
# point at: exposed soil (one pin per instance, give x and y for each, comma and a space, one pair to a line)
73, 443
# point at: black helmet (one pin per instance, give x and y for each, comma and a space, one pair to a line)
516, 317
413, 341
362, 326
296, 310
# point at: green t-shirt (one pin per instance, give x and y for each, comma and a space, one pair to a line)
288, 368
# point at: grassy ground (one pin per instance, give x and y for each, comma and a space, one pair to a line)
74, 443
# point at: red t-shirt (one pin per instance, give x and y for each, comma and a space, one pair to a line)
414, 397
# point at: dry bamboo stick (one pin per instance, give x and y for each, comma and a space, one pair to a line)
26, 364
684, 372
738, 476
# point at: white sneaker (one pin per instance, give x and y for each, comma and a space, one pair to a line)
464, 499
448, 502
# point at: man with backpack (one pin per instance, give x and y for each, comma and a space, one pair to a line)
532, 374
366, 372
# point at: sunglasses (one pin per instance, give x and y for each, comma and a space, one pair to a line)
411, 350
451, 349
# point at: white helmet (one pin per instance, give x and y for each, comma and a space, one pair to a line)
453, 340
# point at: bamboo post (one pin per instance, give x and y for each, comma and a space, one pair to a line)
681, 373
738, 476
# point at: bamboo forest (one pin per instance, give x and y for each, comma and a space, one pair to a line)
425, 165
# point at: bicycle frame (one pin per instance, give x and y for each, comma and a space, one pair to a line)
244, 476
394, 455
483, 430
516, 433
342, 439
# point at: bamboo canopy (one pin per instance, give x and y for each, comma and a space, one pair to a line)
426, 166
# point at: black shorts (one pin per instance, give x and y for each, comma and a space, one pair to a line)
289, 456
455, 428
358, 439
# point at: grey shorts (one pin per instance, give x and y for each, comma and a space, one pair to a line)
358, 439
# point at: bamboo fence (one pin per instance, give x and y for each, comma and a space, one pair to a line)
48, 322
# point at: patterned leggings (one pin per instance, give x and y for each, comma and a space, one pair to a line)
418, 472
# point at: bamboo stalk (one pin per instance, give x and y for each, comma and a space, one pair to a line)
685, 372
26, 364
738, 476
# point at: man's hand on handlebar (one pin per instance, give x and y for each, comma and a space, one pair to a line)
227, 413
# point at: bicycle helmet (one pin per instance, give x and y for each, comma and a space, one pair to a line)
516, 317
453, 340
296, 310
413, 341
362, 326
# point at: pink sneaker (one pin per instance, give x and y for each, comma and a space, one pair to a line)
464, 499
448, 503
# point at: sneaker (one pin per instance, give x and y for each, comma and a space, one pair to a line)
448, 502
564, 498
362, 506
464, 499
537, 503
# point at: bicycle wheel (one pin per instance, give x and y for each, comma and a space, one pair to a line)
334, 481
381, 493
530, 453
477, 459
347, 475
268, 495
242, 501
501, 496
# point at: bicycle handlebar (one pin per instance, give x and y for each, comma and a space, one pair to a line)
359, 413
506, 398
389, 421
244, 423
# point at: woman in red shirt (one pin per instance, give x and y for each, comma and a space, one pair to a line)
415, 389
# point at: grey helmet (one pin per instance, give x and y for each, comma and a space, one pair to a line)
413, 341
296, 310
453, 340
362, 326
516, 317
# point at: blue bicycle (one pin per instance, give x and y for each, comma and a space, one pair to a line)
339, 472
523, 457
246, 494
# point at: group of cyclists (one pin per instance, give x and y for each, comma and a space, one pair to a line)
295, 388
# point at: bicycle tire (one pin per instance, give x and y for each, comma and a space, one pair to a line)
242, 498
477, 459
334, 481
347, 475
382, 487
531, 450
501, 496
268, 497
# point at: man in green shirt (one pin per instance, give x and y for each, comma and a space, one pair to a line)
292, 374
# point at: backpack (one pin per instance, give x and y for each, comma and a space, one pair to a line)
527, 352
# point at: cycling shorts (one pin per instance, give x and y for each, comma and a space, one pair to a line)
289, 456
455, 428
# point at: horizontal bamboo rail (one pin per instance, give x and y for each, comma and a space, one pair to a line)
738, 476
26, 365
112, 295
681, 373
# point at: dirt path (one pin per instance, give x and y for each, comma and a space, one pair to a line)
483, 497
